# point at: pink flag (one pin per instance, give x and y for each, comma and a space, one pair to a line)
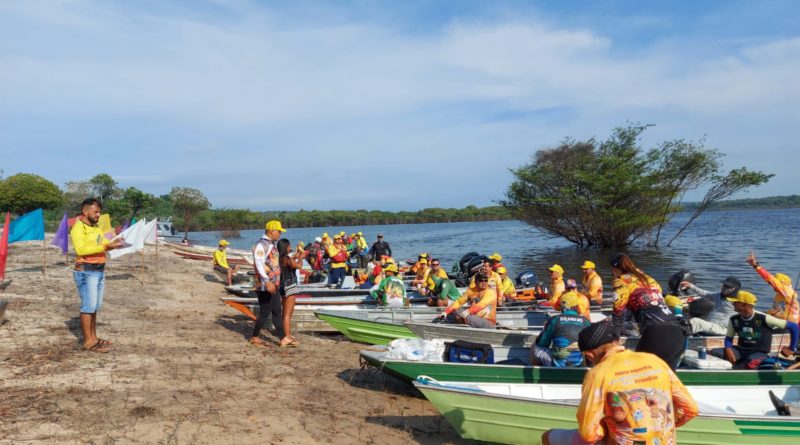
4, 246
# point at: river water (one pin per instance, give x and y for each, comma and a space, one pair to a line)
715, 246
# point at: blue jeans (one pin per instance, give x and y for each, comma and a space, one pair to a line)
90, 288
336, 276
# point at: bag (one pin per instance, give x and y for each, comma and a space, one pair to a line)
461, 351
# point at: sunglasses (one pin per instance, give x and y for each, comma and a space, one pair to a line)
482, 281
435, 264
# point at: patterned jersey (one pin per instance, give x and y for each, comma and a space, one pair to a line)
265, 259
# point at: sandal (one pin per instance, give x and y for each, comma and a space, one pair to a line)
97, 347
288, 344
103, 342
255, 341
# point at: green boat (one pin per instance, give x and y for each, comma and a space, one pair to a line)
521, 413
474, 372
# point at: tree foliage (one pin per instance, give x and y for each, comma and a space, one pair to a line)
612, 193
104, 186
188, 202
25, 192
76, 192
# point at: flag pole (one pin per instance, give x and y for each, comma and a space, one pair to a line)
44, 256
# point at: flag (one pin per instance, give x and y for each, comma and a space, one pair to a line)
28, 227
134, 240
104, 222
4, 246
61, 239
150, 231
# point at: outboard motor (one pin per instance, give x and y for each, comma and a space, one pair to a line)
675, 281
730, 287
461, 266
526, 279
475, 264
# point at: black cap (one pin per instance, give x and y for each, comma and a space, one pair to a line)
380, 235
730, 287
596, 335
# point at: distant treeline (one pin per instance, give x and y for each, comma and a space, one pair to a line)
771, 202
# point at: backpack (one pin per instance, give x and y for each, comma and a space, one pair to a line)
462, 351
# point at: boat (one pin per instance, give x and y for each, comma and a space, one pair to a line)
521, 413
303, 318
408, 370
232, 259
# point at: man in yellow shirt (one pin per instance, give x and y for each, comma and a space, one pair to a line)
508, 292
627, 397
91, 246
592, 282
481, 312
556, 283
221, 261
338, 254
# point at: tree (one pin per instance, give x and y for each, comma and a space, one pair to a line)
612, 193
188, 202
76, 192
137, 200
24, 192
104, 186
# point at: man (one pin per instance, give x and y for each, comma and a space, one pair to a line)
627, 398
440, 290
556, 283
495, 282
557, 344
592, 282
508, 292
716, 321
421, 276
221, 262
785, 304
418, 265
380, 248
482, 300
338, 255
581, 302
754, 330
360, 250
391, 291
268, 275
496, 259
91, 246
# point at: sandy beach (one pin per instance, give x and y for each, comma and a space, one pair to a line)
181, 369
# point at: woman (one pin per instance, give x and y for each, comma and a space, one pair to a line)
289, 265
661, 332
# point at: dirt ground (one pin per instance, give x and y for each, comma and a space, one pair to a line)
181, 369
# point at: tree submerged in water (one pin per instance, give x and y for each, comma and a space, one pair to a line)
613, 193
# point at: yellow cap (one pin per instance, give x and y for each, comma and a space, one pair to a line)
673, 301
556, 268
496, 256
360, 234
342, 233
501, 270
275, 225
569, 300
390, 267
337, 236
743, 297
588, 265
423, 261
423, 255
784, 279
222, 242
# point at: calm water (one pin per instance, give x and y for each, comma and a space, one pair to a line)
715, 246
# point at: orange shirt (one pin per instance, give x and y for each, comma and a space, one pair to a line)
785, 304
482, 304
633, 397
594, 287
556, 289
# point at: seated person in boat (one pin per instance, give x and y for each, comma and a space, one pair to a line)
557, 344
508, 292
495, 282
785, 305
556, 283
495, 260
221, 262
422, 272
419, 264
441, 291
592, 283
571, 289
434, 271
627, 397
391, 291
374, 275
715, 322
754, 330
482, 305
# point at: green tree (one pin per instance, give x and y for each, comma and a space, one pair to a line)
104, 186
137, 200
76, 192
24, 192
188, 202
612, 193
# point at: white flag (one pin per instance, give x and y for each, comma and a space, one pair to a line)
134, 240
150, 232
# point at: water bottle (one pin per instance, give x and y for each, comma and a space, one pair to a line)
702, 354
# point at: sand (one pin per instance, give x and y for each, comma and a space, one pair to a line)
181, 369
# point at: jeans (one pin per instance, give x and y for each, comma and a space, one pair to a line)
269, 303
336, 276
90, 288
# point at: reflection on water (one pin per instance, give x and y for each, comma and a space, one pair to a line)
714, 247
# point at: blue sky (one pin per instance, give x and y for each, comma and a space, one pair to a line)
383, 105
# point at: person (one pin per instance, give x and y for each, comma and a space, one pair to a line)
380, 248
289, 265
714, 322
482, 300
315, 254
581, 301
391, 291
592, 282
221, 261
627, 397
557, 344
185, 241
556, 283
338, 255
785, 304
268, 276
418, 264
508, 292
360, 250
754, 330
440, 290
91, 246
495, 282
495, 259
661, 332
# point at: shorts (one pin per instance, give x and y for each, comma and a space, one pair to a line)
90, 285
221, 269
567, 437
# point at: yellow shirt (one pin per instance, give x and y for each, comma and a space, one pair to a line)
495, 282
89, 243
482, 304
633, 397
785, 304
556, 289
507, 287
625, 285
594, 285
221, 259
332, 252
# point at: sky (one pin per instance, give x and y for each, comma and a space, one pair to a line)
390, 105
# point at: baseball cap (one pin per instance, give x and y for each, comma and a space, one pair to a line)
588, 265
275, 225
556, 268
496, 256
743, 297
501, 270
222, 242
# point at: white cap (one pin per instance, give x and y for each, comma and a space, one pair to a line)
318, 239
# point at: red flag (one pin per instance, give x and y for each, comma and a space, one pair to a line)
4, 246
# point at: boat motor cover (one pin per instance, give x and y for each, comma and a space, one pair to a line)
675, 281
462, 263
526, 279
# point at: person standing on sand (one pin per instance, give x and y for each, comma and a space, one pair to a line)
91, 246
268, 276
289, 265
